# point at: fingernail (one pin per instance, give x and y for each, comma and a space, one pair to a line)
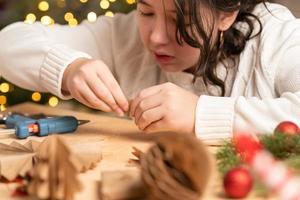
119, 112
126, 107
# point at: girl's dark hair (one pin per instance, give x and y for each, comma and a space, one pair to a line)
213, 49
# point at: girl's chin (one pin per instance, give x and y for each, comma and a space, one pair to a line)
175, 68
170, 68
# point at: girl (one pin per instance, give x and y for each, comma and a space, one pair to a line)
208, 67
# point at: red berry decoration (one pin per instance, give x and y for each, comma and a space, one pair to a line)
238, 182
287, 127
246, 146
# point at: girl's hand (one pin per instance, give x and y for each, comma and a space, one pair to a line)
165, 107
91, 83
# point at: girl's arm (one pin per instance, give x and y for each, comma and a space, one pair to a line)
35, 56
220, 117
276, 56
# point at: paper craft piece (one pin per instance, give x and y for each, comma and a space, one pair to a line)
17, 159
88, 154
122, 184
177, 167
55, 175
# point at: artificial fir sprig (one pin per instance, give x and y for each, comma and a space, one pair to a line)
227, 158
282, 146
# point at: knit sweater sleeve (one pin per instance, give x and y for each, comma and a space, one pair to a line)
221, 117
35, 56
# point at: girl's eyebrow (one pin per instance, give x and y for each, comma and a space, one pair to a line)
143, 2
147, 4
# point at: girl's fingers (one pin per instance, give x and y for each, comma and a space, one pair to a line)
103, 93
147, 104
87, 97
150, 116
157, 126
142, 95
115, 90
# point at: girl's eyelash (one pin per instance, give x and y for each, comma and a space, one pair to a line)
146, 14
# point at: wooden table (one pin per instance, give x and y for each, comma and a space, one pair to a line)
117, 137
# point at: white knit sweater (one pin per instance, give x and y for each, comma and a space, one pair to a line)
261, 91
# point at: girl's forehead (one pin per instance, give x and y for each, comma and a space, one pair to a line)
152, 3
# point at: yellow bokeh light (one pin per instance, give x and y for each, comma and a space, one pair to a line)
83, 1
43, 6
104, 4
46, 20
2, 107
109, 14
36, 96
130, 1
30, 18
92, 17
112, 0
3, 100
68, 16
73, 22
4, 87
53, 101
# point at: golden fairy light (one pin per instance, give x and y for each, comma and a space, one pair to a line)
36, 96
73, 22
4, 87
92, 17
46, 20
2, 107
53, 101
3, 100
109, 14
130, 1
83, 1
43, 6
112, 0
68, 16
30, 18
104, 4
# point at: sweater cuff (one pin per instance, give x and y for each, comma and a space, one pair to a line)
54, 65
214, 117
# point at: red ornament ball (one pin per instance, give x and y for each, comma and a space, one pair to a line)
237, 182
287, 127
246, 146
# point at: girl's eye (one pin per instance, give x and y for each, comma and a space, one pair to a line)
147, 14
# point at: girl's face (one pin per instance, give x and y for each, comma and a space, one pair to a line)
157, 26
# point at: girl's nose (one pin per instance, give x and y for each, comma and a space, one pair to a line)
160, 33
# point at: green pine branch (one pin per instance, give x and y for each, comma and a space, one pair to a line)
281, 146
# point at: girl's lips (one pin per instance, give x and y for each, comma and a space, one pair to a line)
163, 59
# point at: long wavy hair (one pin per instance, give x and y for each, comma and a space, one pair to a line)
215, 47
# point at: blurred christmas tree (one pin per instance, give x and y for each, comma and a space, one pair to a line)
70, 12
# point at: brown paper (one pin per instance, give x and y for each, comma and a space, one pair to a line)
55, 176
88, 154
177, 167
17, 158
122, 184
